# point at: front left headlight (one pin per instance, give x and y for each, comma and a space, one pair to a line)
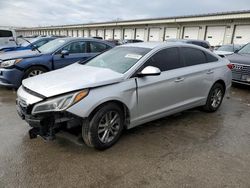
59, 104
10, 63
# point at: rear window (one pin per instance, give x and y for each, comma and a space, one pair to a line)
5, 33
193, 56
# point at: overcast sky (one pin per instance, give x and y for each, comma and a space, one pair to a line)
59, 12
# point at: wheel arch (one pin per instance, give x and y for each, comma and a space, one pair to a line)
123, 107
222, 82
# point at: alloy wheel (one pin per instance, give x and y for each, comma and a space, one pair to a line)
109, 126
216, 98
35, 73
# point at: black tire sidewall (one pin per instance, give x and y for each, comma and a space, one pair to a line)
94, 123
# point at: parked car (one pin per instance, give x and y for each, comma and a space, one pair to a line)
28, 44
16, 66
202, 43
241, 65
115, 42
227, 49
127, 86
7, 38
97, 38
126, 41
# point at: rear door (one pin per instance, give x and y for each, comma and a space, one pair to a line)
198, 73
160, 94
77, 51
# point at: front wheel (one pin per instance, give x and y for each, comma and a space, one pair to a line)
34, 71
105, 127
215, 98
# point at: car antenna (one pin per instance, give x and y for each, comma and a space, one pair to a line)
30, 44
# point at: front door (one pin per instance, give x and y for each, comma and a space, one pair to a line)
77, 51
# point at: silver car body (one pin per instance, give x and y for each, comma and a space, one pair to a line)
146, 98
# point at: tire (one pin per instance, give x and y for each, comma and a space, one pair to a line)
93, 130
34, 71
215, 98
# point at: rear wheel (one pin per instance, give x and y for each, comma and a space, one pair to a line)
215, 98
34, 71
105, 127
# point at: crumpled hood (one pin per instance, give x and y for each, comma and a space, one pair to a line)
239, 58
71, 78
19, 54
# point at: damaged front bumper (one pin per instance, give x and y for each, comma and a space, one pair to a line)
48, 124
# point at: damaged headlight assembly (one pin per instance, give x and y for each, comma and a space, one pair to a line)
59, 104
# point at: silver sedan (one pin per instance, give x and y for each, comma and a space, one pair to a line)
123, 88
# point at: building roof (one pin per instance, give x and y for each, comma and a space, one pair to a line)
243, 14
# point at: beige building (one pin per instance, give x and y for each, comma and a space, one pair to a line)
217, 28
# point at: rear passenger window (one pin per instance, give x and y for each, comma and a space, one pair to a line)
211, 58
193, 56
96, 47
166, 59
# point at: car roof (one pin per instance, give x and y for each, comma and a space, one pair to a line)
69, 39
153, 45
186, 40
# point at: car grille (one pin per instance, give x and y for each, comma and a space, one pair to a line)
240, 71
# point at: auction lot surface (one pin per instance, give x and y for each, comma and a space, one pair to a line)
191, 149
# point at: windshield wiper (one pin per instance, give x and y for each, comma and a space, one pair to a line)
34, 47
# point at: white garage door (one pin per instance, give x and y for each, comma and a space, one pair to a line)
140, 33
128, 34
86, 33
191, 33
171, 33
154, 34
215, 35
74, 33
63, 33
109, 34
242, 34
70, 33
80, 33
100, 33
118, 34
93, 33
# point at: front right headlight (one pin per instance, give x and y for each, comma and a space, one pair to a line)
59, 104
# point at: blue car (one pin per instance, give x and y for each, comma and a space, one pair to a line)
18, 65
28, 44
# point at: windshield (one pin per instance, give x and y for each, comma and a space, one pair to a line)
25, 43
52, 46
119, 59
227, 48
245, 49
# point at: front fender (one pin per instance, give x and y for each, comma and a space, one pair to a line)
43, 60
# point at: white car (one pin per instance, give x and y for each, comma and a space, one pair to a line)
225, 50
122, 88
7, 38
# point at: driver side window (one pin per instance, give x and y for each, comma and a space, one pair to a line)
75, 47
166, 59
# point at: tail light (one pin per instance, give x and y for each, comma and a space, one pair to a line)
230, 66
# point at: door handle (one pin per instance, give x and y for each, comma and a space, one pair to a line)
210, 72
179, 79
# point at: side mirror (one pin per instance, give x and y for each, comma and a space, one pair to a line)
64, 53
236, 51
149, 71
